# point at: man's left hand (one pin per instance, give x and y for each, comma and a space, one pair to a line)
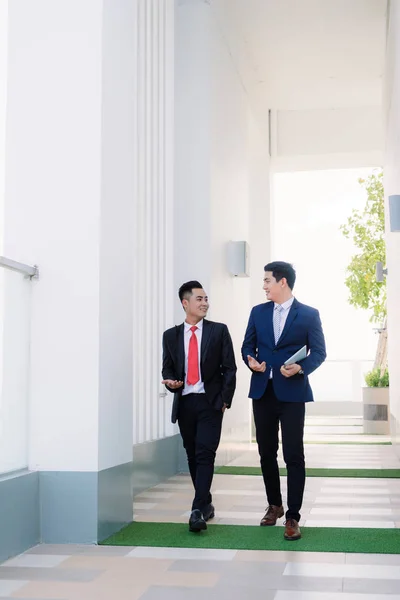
290, 370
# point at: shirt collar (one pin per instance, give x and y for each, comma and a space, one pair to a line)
188, 326
286, 305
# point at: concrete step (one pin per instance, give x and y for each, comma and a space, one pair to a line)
337, 420
333, 429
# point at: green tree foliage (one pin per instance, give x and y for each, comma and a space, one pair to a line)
366, 229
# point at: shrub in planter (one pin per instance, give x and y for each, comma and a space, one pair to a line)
376, 378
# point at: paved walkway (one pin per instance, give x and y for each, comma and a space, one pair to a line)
106, 573
103, 573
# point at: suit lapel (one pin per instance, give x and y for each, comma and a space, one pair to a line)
290, 318
205, 339
180, 349
269, 306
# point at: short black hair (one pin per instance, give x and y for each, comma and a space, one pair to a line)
282, 269
186, 289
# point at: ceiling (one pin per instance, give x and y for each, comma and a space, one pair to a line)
309, 53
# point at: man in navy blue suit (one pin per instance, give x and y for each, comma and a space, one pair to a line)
276, 330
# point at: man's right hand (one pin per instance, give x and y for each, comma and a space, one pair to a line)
255, 365
172, 383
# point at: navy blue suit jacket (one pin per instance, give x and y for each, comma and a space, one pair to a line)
302, 328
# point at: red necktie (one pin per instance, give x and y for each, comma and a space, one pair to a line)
193, 359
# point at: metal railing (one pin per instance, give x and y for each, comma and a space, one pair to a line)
340, 379
13, 265
15, 329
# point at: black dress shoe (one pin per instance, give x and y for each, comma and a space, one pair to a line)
209, 512
196, 521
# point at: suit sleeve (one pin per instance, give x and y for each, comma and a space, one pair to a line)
316, 346
168, 368
228, 368
249, 346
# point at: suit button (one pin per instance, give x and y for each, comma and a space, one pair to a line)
274, 351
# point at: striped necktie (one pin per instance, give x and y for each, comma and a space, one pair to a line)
277, 322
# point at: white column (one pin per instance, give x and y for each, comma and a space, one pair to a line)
153, 213
193, 97
69, 208
52, 216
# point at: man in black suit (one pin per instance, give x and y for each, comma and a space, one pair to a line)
199, 368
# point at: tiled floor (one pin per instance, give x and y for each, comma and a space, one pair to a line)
333, 456
118, 573
334, 502
240, 499
103, 573
337, 429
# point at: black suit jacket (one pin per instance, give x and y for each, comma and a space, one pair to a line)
217, 363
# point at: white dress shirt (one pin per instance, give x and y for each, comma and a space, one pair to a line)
197, 388
286, 306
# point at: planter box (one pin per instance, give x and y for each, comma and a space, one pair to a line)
376, 410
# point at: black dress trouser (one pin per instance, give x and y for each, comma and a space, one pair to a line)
268, 413
200, 426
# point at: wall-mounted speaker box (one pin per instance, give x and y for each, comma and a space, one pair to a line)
238, 259
394, 213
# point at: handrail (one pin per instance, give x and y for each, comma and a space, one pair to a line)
348, 360
12, 265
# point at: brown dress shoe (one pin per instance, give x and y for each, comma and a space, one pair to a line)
292, 530
272, 515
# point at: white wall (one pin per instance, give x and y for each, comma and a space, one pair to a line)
3, 98
230, 213
88, 198
52, 217
116, 309
329, 138
192, 184
392, 186
329, 131
15, 322
260, 207
221, 184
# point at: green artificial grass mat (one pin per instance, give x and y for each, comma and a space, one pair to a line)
311, 472
247, 537
322, 443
